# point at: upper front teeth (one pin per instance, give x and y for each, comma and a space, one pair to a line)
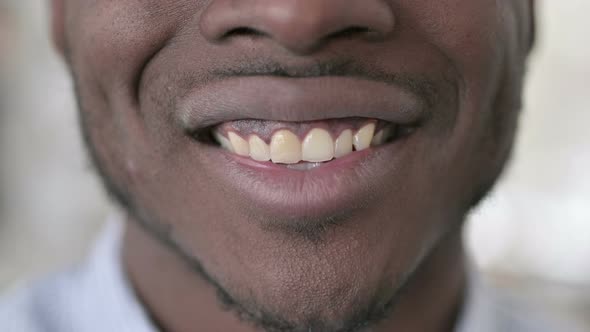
317, 146
343, 144
239, 145
285, 148
259, 150
363, 138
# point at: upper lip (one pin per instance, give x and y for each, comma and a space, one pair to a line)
305, 93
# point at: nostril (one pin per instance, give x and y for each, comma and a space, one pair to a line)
350, 32
243, 31
301, 26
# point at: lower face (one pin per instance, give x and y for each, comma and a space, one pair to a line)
309, 197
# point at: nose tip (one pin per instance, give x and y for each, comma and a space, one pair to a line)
300, 26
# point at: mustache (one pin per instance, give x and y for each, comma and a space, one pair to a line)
425, 88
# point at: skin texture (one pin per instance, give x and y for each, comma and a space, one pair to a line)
392, 260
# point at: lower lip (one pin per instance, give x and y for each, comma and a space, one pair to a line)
335, 188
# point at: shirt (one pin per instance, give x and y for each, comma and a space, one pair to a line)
97, 297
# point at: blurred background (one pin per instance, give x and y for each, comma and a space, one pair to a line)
532, 234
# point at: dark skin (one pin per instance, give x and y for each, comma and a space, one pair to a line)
391, 260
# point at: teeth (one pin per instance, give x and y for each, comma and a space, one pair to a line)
239, 145
224, 142
383, 136
362, 139
343, 144
378, 139
318, 146
304, 166
285, 148
259, 150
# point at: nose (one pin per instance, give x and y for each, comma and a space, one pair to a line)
300, 26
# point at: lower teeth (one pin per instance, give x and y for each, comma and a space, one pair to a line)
304, 166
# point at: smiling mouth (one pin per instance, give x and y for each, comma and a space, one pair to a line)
302, 146
304, 117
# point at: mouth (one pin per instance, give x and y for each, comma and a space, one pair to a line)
303, 148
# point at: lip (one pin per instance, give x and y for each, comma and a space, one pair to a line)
339, 187
298, 100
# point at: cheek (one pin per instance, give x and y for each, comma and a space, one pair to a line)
470, 34
475, 37
111, 40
